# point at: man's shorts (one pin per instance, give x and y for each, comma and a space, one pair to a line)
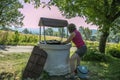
81, 51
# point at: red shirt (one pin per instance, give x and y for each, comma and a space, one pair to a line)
77, 40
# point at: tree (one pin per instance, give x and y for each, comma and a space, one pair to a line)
16, 37
81, 29
86, 32
61, 32
49, 31
26, 31
4, 28
117, 37
10, 14
55, 33
35, 2
114, 37
102, 13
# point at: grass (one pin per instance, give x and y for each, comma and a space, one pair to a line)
12, 65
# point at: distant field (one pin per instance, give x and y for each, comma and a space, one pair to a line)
15, 38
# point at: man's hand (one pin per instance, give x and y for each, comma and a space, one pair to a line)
63, 43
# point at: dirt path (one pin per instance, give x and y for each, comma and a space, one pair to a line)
19, 49
15, 49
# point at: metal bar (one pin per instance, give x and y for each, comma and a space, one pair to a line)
40, 34
67, 33
62, 34
44, 34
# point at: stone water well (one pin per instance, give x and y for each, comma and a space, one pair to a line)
57, 62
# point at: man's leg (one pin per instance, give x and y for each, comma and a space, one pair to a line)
73, 60
78, 60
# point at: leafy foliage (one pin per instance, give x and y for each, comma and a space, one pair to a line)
16, 37
37, 3
10, 14
94, 55
114, 50
49, 31
26, 31
115, 53
86, 32
98, 13
103, 13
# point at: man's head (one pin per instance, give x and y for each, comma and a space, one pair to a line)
71, 27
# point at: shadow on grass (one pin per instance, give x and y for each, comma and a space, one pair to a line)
46, 76
6, 76
97, 70
3, 47
103, 70
114, 69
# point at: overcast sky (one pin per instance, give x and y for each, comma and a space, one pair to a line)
32, 16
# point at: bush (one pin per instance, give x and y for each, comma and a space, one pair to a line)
94, 55
16, 38
3, 37
114, 50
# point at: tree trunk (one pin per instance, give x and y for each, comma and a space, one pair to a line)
102, 43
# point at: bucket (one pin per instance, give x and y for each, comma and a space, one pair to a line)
82, 72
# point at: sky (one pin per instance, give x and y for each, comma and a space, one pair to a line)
33, 15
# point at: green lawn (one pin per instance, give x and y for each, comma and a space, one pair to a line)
12, 65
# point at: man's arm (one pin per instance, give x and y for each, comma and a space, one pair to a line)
69, 38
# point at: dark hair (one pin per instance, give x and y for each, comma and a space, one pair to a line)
71, 27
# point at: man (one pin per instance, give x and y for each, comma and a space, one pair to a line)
76, 38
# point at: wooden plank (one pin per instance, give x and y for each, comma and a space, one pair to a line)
35, 65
